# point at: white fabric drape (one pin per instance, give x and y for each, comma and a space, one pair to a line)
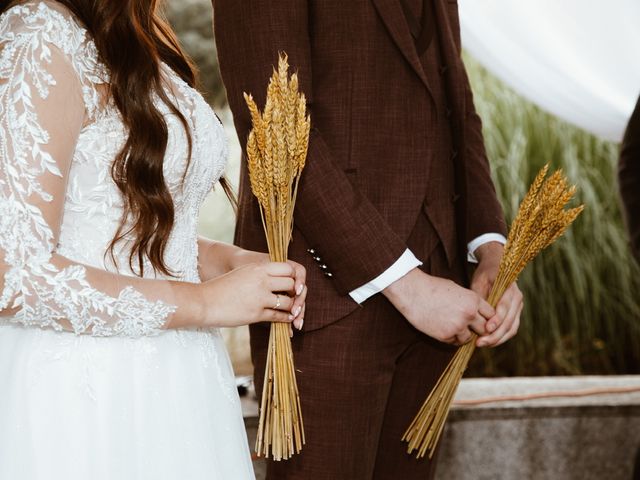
577, 59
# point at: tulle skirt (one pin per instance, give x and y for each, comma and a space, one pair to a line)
85, 408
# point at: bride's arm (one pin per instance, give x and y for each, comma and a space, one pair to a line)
215, 258
41, 115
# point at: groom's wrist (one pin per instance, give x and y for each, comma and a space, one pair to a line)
399, 269
398, 291
489, 252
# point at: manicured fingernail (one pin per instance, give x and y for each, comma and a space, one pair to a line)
300, 289
299, 323
297, 311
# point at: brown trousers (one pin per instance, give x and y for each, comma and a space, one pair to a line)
361, 380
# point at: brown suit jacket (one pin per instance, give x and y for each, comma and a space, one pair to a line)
629, 177
367, 177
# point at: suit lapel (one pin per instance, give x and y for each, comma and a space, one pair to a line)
393, 17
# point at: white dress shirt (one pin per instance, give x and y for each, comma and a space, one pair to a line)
408, 262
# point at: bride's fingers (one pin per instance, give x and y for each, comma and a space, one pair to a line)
280, 302
303, 294
300, 276
280, 269
299, 321
298, 303
275, 316
281, 284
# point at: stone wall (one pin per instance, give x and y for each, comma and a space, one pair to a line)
590, 437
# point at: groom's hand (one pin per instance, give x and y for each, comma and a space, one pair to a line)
440, 308
505, 323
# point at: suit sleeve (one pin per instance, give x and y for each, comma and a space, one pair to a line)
629, 178
334, 217
489, 218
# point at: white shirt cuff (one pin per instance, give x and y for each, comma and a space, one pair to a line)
481, 240
399, 269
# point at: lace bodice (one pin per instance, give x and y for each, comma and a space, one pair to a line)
59, 208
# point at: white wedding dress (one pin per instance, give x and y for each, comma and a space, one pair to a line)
91, 386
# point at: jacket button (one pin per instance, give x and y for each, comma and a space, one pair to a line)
311, 251
328, 274
317, 259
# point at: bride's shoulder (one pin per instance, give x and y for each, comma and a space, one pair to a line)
35, 33
48, 20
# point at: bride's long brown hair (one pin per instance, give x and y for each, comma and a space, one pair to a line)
133, 39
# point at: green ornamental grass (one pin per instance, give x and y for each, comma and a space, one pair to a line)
582, 313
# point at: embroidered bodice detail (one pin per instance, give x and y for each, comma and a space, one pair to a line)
59, 207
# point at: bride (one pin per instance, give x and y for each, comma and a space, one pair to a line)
111, 364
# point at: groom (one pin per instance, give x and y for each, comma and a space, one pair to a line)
395, 200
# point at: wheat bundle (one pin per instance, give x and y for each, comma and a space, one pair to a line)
277, 150
540, 221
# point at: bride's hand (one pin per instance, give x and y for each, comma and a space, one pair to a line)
245, 257
256, 292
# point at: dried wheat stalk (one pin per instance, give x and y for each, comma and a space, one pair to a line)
540, 221
276, 151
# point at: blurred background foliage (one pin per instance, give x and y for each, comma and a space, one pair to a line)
192, 21
582, 312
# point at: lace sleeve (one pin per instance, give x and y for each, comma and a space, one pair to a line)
41, 115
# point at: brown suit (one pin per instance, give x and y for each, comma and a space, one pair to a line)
396, 160
629, 178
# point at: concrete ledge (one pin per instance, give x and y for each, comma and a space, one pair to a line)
559, 438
